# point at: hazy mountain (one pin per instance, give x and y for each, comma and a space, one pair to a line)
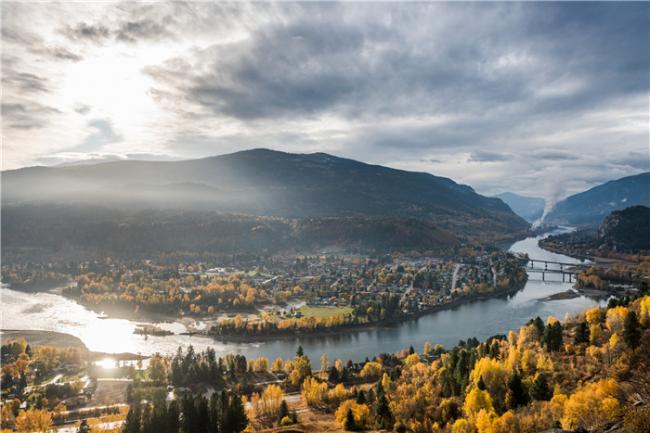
529, 208
592, 206
626, 230
307, 200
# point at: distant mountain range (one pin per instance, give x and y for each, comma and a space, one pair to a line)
321, 193
529, 208
589, 208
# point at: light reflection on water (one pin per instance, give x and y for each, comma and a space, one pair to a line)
481, 319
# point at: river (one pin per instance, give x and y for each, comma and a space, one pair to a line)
481, 319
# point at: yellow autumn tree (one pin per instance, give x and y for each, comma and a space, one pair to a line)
593, 405
34, 420
360, 412
461, 426
314, 392
477, 400
615, 319
371, 370
644, 310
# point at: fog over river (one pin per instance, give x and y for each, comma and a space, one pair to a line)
481, 319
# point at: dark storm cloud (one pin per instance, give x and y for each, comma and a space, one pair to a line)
545, 57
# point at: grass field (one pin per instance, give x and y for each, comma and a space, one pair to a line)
324, 311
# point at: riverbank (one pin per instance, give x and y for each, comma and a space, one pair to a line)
360, 327
61, 340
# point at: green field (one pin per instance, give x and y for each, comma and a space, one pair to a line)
324, 311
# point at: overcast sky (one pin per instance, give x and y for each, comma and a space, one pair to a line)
542, 99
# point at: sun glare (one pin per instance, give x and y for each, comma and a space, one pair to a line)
107, 363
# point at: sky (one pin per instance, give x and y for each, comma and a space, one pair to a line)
543, 99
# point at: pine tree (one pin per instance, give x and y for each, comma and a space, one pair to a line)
333, 375
582, 333
132, 421
300, 352
237, 415
384, 414
284, 410
361, 397
631, 331
516, 395
349, 423
539, 390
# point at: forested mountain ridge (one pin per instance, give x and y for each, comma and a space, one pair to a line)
626, 230
259, 182
253, 200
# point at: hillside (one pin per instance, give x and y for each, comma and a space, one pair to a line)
592, 206
304, 200
529, 208
626, 230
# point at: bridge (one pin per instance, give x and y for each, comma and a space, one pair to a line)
566, 269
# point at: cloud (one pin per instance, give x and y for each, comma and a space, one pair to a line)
481, 156
102, 134
26, 115
495, 95
82, 31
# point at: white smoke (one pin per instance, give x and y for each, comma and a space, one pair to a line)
554, 191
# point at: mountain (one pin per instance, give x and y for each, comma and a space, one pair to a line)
626, 230
590, 207
529, 208
306, 196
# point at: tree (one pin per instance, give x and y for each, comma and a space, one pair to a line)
333, 375
582, 333
516, 395
371, 370
539, 389
349, 424
284, 410
477, 400
300, 352
384, 414
593, 406
631, 330
553, 336
34, 420
324, 363
236, 415
158, 369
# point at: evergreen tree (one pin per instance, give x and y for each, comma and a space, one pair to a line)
384, 414
553, 336
361, 397
300, 352
237, 415
540, 390
349, 421
631, 330
516, 395
284, 410
132, 421
582, 333
481, 384
333, 375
